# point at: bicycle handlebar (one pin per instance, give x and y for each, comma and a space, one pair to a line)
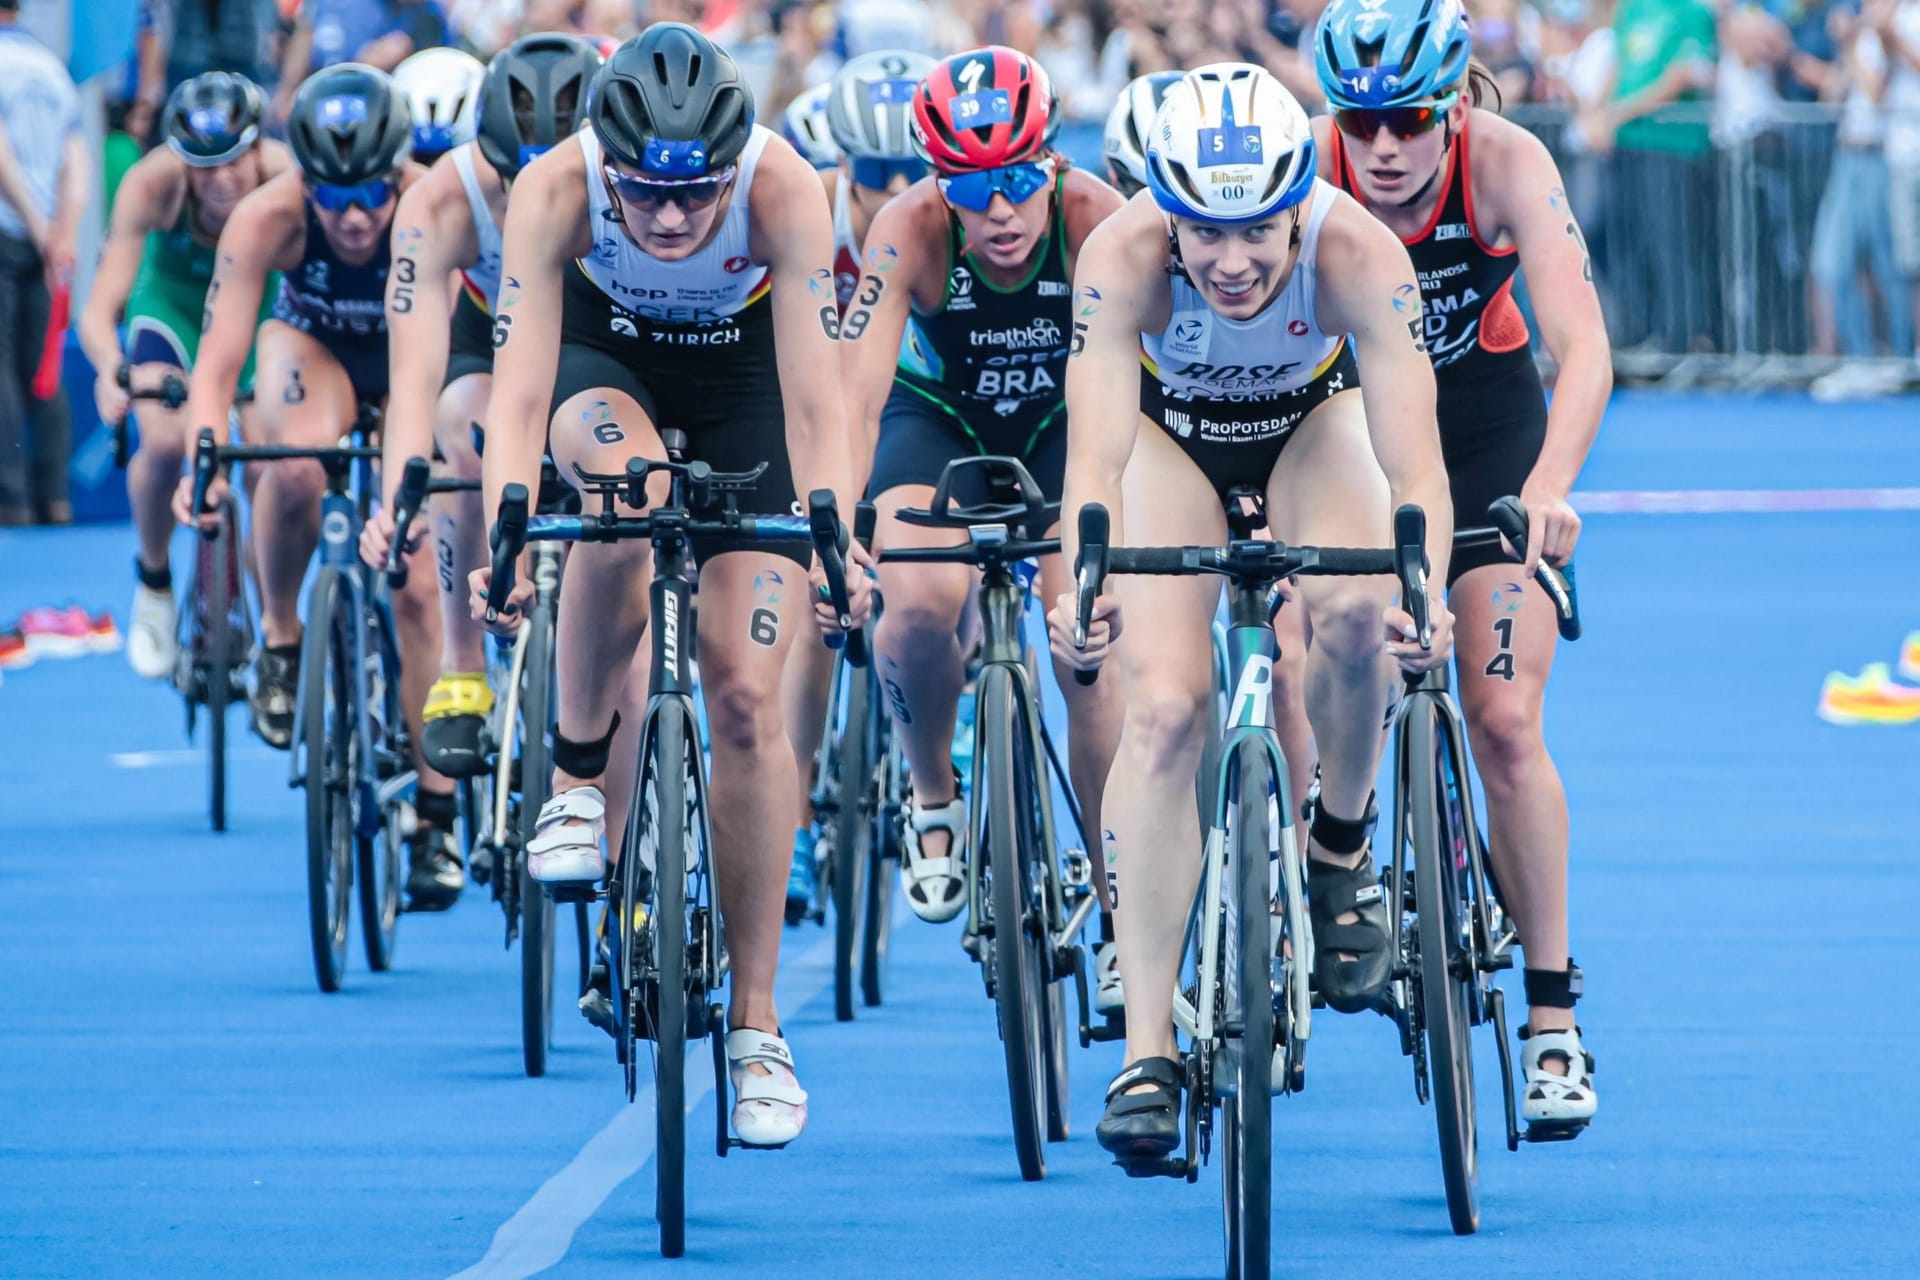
1510, 518
1089, 571
830, 544
172, 392
209, 456
407, 501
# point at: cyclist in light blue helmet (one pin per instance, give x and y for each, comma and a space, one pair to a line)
1475, 199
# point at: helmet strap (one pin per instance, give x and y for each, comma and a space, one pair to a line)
1446, 158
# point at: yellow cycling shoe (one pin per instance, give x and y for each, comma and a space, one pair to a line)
1910, 657
456, 722
1872, 697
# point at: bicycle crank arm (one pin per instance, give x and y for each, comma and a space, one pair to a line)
1497, 1005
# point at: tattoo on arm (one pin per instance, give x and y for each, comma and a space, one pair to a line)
1079, 343
1415, 331
295, 391
206, 311
1090, 300
1557, 198
405, 271
502, 317
862, 314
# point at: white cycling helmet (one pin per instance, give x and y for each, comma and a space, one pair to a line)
804, 124
1229, 145
442, 86
1128, 125
870, 107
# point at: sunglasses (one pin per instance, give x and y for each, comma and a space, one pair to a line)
368, 195
1019, 183
692, 194
1404, 123
878, 175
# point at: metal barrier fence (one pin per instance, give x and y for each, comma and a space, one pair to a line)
1705, 253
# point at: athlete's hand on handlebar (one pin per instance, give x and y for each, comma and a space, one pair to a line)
209, 519
1553, 527
509, 615
1103, 628
859, 574
111, 399
376, 539
1403, 638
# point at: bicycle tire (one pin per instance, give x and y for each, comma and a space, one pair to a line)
883, 856
1247, 1115
326, 680
536, 908
1059, 1093
851, 836
669, 917
1440, 906
218, 650
1007, 853
382, 861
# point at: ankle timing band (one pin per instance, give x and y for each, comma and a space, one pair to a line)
1343, 835
1555, 988
584, 759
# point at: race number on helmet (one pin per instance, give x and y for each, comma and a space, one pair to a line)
1229, 145
983, 109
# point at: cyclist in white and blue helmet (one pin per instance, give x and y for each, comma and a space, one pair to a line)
1253, 294
1128, 125
804, 124
1475, 199
442, 88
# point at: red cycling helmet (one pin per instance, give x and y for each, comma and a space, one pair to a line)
982, 109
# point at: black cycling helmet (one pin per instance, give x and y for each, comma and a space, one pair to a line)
672, 104
349, 125
213, 118
533, 97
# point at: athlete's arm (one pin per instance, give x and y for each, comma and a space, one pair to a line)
1367, 290
1531, 204
546, 228
1118, 286
433, 237
1088, 203
137, 209
894, 260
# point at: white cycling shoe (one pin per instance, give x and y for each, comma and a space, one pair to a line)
565, 848
1548, 1099
153, 645
935, 887
769, 1110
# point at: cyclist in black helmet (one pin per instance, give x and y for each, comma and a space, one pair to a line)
670, 271
440, 361
323, 226
154, 273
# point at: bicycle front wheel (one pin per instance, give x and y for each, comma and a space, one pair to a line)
332, 758
885, 806
1446, 966
1247, 1114
383, 860
665, 786
536, 908
851, 836
1009, 847
221, 577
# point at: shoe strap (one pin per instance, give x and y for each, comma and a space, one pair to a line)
948, 817
555, 829
1559, 1042
747, 1048
1164, 1072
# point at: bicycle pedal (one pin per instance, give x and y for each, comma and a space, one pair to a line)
1167, 1166
741, 1144
1112, 1027
1554, 1130
575, 891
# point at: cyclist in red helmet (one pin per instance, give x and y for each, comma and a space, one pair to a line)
973, 268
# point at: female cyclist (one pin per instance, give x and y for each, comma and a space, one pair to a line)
1476, 200
1253, 289
155, 268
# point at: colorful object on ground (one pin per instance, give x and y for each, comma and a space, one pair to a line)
67, 632
1872, 697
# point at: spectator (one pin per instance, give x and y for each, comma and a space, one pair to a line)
1854, 225
381, 33
488, 26
187, 37
1661, 184
1898, 29
1576, 70
45, 180
1497, 44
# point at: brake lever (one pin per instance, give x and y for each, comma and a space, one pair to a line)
1090, 573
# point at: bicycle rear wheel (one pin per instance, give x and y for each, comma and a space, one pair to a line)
1439, 890
852, 835
1008, 848
883, 857
536, 908
1247, 966
332, 757
222, 572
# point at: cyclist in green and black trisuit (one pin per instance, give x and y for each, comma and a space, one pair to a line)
974, 267
155, 269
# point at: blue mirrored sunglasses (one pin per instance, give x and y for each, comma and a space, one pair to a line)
691, 195
368, 195
879, 174
1019, 183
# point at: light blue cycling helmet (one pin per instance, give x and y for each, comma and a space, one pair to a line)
1390, 53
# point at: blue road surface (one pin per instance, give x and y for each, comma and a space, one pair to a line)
177, 1099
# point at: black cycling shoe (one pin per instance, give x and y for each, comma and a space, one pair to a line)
276, 672
596, 1003
434, 878
1143, 1125
1349, 985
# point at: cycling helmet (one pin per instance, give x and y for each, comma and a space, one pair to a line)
442, 88
672, 104
534, 95
213, 118
871, 110
1128, 125
804, 124
1229, 145
349, 125
1388, 53
983, 109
